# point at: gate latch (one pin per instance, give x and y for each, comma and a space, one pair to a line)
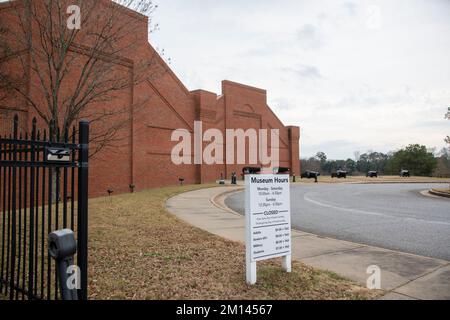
54, 154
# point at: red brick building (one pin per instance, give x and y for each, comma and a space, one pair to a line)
143, 157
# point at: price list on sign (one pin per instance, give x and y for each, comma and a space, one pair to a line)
268, 217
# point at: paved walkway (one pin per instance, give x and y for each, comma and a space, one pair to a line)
403, 276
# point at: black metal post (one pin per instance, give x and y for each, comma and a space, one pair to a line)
61, 247
31, 230
83, 172
13, 214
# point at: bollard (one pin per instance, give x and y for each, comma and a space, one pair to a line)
233, 178
62, 246
221, 181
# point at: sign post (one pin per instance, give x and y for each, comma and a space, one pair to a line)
268, 221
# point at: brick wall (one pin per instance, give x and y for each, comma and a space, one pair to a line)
141, 156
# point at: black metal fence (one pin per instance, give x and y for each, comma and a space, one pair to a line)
43, 188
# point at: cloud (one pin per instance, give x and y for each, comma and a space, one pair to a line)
282, 103
309, 37
306, 71
348, 87
350, 8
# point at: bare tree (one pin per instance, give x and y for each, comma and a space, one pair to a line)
64, 72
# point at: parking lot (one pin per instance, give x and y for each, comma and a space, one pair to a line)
393, 216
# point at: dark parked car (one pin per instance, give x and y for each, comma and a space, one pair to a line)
339, 174
310, 174
404, 173
372, 174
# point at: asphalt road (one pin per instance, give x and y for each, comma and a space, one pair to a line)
392, 216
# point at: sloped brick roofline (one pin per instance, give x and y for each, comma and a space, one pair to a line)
244, 86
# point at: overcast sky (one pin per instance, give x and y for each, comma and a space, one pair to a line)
354, 75
362, 75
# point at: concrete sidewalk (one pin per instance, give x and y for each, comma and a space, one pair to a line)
403, 275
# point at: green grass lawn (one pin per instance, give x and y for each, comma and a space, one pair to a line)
137, 250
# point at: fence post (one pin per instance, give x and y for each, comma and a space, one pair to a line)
83, 171
31, 275
13, 213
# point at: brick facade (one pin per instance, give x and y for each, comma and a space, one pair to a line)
143, 157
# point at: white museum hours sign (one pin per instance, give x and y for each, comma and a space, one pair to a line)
268, 221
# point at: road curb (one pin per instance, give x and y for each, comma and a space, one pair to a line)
439, 193
224, 195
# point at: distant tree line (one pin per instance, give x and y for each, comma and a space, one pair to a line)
415, 158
